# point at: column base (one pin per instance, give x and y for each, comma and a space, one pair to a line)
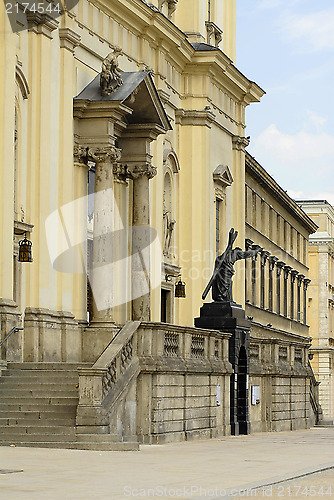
51, 336
10, 316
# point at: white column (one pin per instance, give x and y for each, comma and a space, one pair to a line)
141, 240
104, 212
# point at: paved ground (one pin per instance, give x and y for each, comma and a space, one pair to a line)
213, 469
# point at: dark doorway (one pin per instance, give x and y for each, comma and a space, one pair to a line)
242, 393
164, 306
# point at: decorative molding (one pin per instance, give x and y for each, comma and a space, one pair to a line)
222, 176
136, 171
41, 23
240, 143
68, 39
195, 117
212, 30
171, 6
175, 164
102, 154
22, 227
22, 82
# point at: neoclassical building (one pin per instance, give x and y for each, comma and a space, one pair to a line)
127, 189
321, 299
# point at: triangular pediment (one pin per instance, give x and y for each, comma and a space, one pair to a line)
137, 92
222, 176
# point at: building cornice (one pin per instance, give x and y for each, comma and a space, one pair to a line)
317, 207
142, 19
262, 176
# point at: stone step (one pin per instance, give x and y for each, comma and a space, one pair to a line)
49, 412
49, 375
37, 429
38, 393
47, 400
38, 422
27, 365
26, 406
15, 437
37, 384
98, 438
122, 446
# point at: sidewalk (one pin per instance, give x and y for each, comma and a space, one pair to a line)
194, 470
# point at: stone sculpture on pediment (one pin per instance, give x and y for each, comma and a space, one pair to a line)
110, 78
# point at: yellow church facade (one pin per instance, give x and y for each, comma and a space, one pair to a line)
131, 194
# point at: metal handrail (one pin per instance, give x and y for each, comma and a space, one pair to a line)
9, 334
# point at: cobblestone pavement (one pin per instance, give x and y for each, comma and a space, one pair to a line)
231, 467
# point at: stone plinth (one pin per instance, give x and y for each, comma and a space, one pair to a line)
230, 317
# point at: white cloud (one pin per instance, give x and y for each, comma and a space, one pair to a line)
302, 162
295, 148
315, 29
315, 120
274, 4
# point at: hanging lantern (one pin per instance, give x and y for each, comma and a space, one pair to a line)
25, 250
180, 289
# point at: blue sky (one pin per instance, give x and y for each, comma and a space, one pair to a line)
287, 47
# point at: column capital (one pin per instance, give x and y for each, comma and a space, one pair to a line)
272, 262
102, 154
80, 154
264, 256
287, 270
294, 275
136, 171
255, 247
248, 243
240, 143
279, 267
300, 278
119, 172
306, 283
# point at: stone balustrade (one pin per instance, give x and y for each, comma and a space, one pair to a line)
151, 371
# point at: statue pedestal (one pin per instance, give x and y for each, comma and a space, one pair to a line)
230, 317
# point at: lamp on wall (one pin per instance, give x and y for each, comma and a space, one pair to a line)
180, 286
25, 254
180, 289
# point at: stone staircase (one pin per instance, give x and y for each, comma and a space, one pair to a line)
38, 404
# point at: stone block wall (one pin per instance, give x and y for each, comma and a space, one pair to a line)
185, 407
279, 367
184, 383
162, 383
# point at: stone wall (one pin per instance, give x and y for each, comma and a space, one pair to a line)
279, 367
179, 378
